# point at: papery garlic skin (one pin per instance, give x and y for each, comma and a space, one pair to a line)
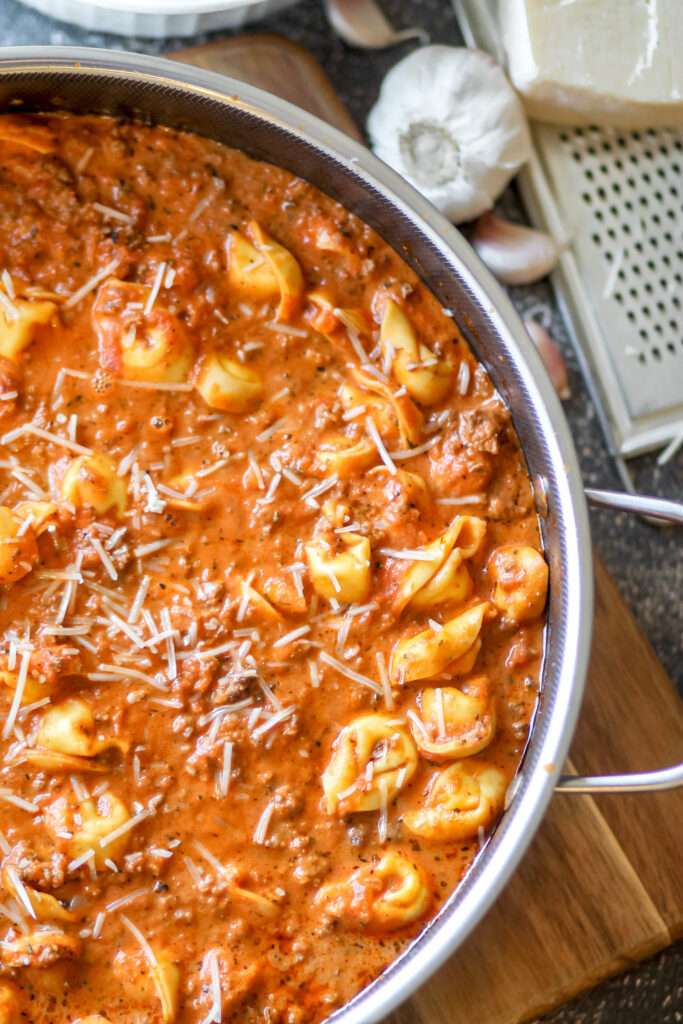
514, 253
449, 121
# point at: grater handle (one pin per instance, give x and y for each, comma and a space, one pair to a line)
654, 508
634, 782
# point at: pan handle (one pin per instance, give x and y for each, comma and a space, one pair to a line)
621, 501
635, 782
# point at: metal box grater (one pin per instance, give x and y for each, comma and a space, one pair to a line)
614, 199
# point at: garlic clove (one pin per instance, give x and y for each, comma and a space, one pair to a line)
448, 120
515, 254
552, 357
361, 23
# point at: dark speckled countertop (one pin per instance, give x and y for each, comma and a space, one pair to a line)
645, 561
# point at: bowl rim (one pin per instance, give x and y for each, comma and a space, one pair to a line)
491, 869
163, 8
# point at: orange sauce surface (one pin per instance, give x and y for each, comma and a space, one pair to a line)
246, 459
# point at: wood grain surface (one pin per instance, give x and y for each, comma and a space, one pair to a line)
601, 885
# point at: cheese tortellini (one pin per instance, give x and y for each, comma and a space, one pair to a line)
79, 828
520, 574
386, 895
393, 407
158, 975
91, 481
67, 740
18, 547
345, 456
228, 385
264, 270
40, 514
373, 758
341, 572
455, 723
432, 651
39, 949
254, 606
45, 907
138, 344
17, 330
427, 378
33, 690
445, 578
463, 798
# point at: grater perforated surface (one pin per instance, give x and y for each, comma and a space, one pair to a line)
614, 198
620, 196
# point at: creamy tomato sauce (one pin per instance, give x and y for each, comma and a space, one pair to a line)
272, 590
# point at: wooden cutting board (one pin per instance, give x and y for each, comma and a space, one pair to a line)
602, 883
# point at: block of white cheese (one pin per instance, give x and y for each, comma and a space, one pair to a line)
605, 62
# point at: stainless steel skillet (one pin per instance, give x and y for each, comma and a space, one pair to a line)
95, 81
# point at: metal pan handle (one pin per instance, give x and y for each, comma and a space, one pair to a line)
620, 501
635, 782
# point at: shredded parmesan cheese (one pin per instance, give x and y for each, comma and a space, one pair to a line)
344, 670
379, 444
91, 284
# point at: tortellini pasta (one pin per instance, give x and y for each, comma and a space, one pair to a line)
428, 653
427, 378
67, 741
261, 905
158, 975
386, 895
138, 344
228, 385
180, 483
77, 828
18, 547
285, 268
91, 481
249, 273
445, 578
357, 404
264, 270
373, 758
345, 456
342, 572
45, 907
455, 723
283, 593
17, 330
166, 976
408, 417
338, 325
33, 690
41, 514
520, 574
254, 607
39, 949
463, 798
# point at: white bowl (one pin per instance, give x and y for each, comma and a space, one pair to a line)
158, 18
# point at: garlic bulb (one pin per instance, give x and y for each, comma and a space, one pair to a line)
449, 121
552, 358
513, 253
